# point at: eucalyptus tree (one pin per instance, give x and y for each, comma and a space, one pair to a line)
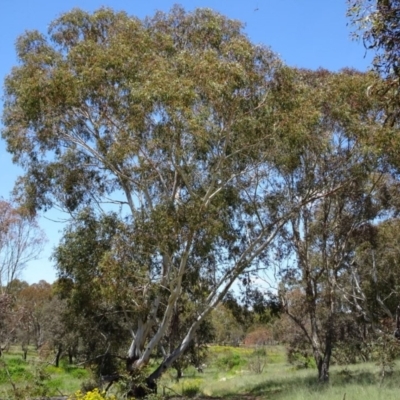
377, 23
177, 123
30, 303
319, 242
375, 291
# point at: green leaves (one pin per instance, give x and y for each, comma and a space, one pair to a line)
135, 99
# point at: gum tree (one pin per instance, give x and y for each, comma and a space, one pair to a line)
177, 123
317, 248
377, 23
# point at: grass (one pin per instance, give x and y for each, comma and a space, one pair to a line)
228, 374
281, 381
38, 377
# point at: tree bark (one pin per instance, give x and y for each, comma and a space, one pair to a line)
323, 370
324, 363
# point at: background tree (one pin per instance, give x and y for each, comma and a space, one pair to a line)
8, 323
228, 330
319, 239
31, 302
11, 315
21, 240
58, 335
374, 273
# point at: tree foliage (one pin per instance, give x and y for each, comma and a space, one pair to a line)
378, 21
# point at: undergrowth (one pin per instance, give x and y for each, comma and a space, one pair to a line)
229, 372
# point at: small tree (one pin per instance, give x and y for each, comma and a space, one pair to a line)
319, 240
31, 300
226, 326
21, 241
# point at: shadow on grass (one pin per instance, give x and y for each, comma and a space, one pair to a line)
291, 383
311, 384
288, 384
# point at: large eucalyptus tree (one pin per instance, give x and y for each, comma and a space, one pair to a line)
181, 126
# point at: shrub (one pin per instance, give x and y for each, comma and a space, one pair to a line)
79, 373
191, 389
260, 352
258, 361
229, 361
51, 369
15, 361
301, 359
94, 394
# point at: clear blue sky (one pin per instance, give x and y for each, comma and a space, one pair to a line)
305, 33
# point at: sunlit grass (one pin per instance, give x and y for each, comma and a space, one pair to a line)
280, 380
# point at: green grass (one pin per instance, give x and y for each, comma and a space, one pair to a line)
229, 374
279, 380
37, 377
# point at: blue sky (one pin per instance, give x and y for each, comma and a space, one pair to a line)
305, 33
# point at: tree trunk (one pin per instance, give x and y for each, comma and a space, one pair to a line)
323, 371
179, 373
24, 348
324, 362
70, 356
58, 356
166, 363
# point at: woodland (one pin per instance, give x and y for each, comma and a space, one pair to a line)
215, 195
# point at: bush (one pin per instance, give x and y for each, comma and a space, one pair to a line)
94, 394
258, 361
230, 361
79, 373
301, 359
191, 389
260, 352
